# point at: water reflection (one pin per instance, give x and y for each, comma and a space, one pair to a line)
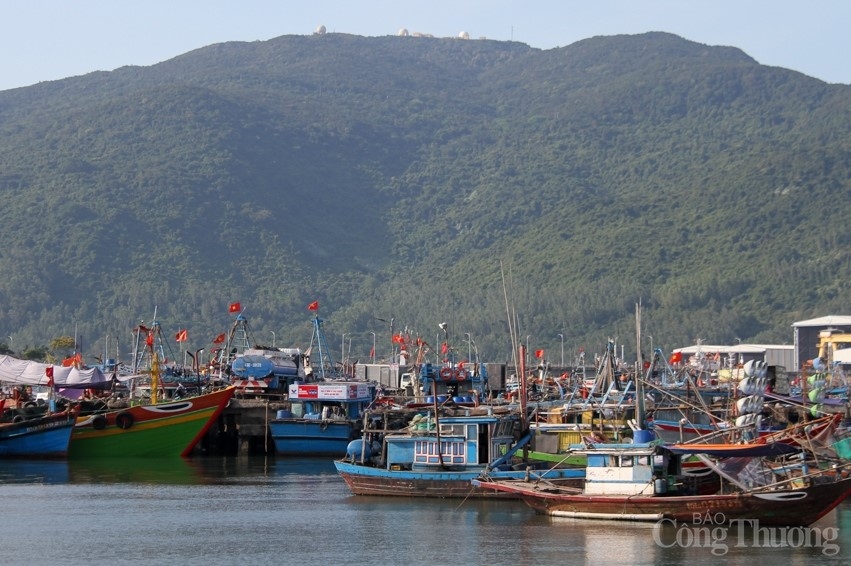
166, 471
211, 511
708, 542
33, 471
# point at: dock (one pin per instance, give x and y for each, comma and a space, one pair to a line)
243, 427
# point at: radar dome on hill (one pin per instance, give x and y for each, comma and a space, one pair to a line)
320, 31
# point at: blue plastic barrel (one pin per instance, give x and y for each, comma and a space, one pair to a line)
356, 448
643, 436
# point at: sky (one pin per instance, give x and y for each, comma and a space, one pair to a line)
44, 40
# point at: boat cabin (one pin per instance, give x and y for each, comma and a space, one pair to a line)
343, 400
459, 443
629, 469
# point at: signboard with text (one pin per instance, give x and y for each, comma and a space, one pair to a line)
329, 391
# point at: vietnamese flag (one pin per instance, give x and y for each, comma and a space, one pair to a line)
676, 358
181, 335
219, 339
444, 348
48, 371
539, 353
234, 307
314, 306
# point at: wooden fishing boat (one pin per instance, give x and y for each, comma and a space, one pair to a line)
439, 457
167, 429
322, 419
45, 435
644, 482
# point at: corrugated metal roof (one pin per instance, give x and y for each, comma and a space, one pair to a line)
736, 349
830, 320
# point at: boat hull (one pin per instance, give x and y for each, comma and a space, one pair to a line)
798, 507
46, 436
163, 430
305, 437
367, 480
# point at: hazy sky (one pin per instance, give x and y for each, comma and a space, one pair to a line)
44, 40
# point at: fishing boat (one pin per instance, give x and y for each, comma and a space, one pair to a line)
45, 435
438, 456
644, 482
34, 422
748, 414
167, 429
322, 419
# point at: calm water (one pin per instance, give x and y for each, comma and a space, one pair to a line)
279, 511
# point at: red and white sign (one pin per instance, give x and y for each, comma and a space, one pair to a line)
330, 391
250, 384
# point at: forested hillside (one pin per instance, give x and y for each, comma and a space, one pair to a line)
423, 180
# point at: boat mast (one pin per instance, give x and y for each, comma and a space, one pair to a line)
326, 362
522, 384
639, 366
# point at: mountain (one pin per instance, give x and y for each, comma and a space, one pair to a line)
425, 180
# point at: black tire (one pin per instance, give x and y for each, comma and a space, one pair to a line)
99, 422
18, 419
124, 420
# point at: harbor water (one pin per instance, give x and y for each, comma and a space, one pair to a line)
294, 511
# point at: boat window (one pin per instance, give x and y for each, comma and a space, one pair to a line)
472, 432
626, 461
452, 430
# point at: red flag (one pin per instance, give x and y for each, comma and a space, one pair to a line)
68, 362
314, 306
676, 357
539, 353
149, 339
181, 335
444, 348
48, 371
219, 339
372, 353
234, 307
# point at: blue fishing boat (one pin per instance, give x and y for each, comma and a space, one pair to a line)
439, 456
36, 436
322, 419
